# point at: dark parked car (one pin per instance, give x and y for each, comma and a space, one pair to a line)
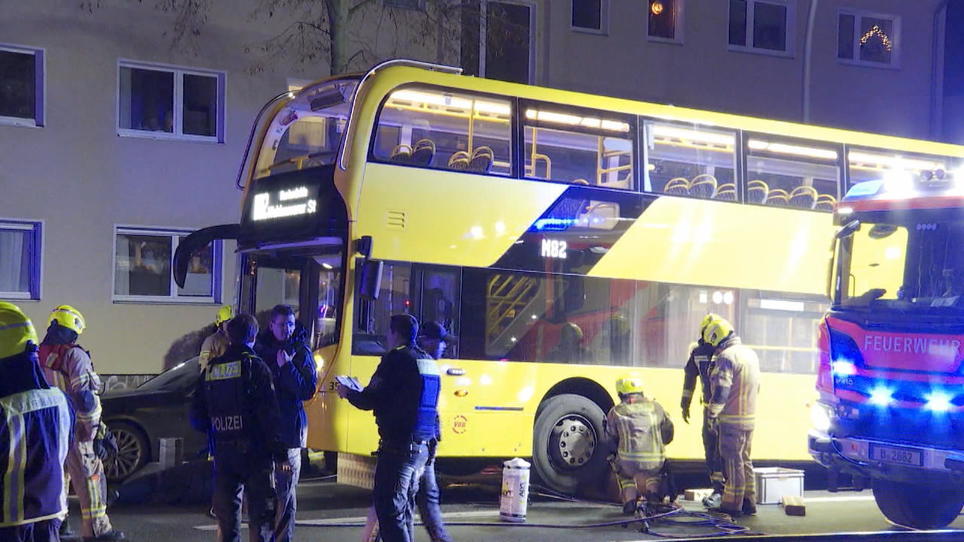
156, 409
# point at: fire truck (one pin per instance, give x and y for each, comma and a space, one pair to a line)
890, 382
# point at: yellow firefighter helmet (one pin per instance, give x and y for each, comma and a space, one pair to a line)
225, 313
717, 329
69, 317
627, 385
16, 330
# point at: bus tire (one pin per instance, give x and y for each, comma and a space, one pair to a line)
568, 455
917, 506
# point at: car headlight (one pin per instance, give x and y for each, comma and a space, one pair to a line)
820, 417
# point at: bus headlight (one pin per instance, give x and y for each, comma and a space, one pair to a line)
820, 417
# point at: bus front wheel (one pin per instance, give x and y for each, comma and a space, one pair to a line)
568, 455
917, 507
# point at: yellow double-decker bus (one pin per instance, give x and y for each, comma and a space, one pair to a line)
566, 239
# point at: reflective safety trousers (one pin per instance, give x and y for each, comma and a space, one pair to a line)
35, 428
637, 431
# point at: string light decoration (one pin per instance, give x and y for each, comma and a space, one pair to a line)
877, 31
656, 7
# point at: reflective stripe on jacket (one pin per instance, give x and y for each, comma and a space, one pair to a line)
68, 366
735, 384
637, 429
35, 428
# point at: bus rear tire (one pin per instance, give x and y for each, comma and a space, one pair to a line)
917, 506
568, 454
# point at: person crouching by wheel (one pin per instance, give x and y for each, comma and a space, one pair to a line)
638, 429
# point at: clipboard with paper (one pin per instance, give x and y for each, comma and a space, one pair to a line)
349, 382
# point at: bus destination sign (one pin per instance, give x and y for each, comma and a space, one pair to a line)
288, 202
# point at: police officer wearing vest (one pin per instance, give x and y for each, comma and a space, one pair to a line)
404, 394
235, 403
35, 427
699, 365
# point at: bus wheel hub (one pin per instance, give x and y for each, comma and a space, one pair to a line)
575, 441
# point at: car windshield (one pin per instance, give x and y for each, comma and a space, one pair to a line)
175, 378
909, 266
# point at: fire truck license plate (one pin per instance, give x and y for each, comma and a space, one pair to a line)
902, 456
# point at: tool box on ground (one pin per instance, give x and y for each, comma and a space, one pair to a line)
773, 483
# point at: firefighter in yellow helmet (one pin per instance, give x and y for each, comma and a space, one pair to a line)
69, 367
32, 457
734, 386
638, 429
216, 344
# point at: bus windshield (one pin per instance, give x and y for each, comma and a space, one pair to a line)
909, 266
307, 131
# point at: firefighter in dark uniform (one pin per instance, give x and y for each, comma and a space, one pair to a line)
235, 403
699, 365
404, 394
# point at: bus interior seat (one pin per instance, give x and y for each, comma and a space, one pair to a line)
726, 192
481, 160
703, 186
580, 181
679, 186
778, 197
825, 202
423, 153
803, 197
459, 160
757, 191
401, 154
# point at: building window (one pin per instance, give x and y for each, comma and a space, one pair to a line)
760, 25
143, 268
665, 17
868, 39
20, 245
498, 40
588, 15
170, 102
21, 86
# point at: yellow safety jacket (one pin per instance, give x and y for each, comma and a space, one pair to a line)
640, 431
734, 385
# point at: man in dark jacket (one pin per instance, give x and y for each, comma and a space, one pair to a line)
235, 404
35, 426
404, 394
699, 366
284, 348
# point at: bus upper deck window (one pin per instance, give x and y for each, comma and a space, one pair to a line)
428, 127
792, 173
865, 165
688, 160
591, 148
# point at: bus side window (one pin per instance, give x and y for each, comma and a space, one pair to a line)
439, 301
370, 337
781, 331
690, 160
791, 173
428, 127
589, 148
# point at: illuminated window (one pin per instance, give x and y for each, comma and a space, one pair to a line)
589, 14
791, 173
445, 130
868, 39
665, 17
20, 245
143, 268
877, 164
157, 101
578, 146
782, 330
690, 160
22, 87
761, 25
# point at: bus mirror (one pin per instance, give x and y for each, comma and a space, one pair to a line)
371, 279
848, 229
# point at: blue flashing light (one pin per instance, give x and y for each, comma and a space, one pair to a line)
881, 396
938, 401
843, 368
554, 224
864, 190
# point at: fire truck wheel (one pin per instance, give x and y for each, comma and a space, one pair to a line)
916, 506
568, 455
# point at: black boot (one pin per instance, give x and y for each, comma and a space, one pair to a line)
110, 536
66, 533
748, 508
629, 507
